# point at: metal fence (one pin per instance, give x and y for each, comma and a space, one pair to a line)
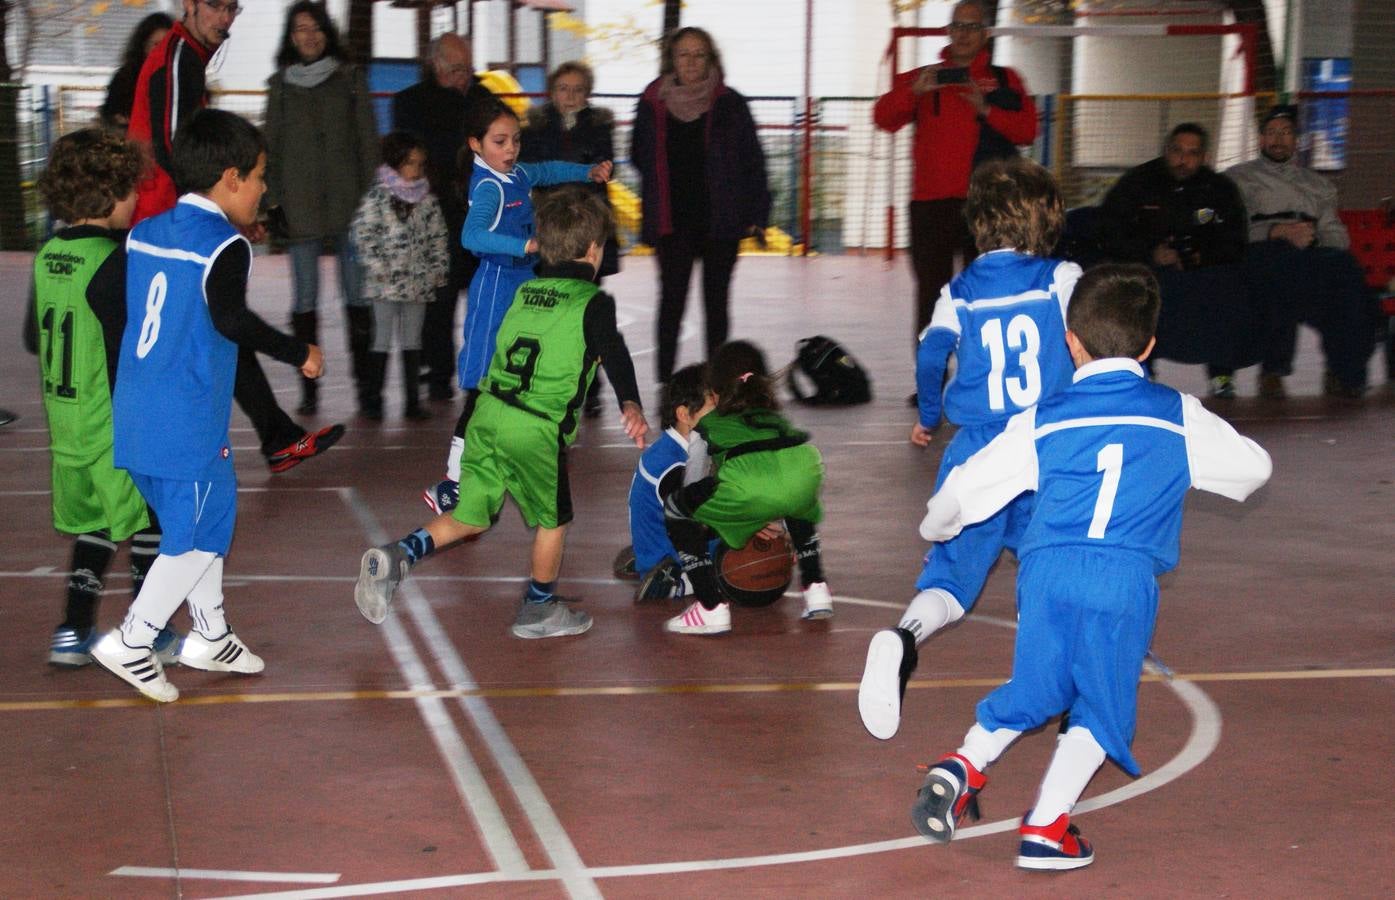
860, 177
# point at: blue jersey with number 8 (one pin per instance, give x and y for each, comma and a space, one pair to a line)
173, 398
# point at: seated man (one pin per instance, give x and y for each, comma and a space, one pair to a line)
1187, 222
1298, 265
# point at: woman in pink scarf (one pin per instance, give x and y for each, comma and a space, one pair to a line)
703, 183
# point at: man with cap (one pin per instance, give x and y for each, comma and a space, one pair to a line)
1297, 263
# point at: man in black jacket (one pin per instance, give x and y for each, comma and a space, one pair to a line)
438, 109
1187, 222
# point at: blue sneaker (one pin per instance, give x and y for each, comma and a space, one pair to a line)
168, 643
1053, 848
443, 496
71, 647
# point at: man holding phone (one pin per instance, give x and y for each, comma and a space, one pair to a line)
966, 110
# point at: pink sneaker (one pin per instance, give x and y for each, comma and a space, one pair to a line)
697, 620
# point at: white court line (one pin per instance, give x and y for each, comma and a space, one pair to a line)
555, 843
469, 780
1201, 743
227, 875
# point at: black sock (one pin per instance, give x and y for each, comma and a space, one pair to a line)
703, 577
805, 538
540, 591
92, 554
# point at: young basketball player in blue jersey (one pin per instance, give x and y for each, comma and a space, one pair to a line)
75, 327
559, 327
499, 230
686, 399
1003, 319
1110, 459
749, 472
186, 301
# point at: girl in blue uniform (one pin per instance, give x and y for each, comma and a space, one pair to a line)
499, 230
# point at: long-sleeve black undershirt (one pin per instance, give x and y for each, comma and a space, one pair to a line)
226, 292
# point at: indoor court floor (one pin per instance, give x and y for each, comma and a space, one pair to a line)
437, 756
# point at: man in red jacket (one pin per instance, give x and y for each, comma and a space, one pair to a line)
966, 110
170, 88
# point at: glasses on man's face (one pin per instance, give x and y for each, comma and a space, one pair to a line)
966, 27
231, 10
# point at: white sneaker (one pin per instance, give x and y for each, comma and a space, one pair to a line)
137, 666
224, 654
891, 658
818, 602
697, 620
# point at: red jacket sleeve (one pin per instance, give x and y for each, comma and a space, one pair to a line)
896, 108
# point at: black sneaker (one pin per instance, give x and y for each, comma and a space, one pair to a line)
623, 566
663, 582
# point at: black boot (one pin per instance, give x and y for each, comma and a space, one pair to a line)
358, 333
370, 403
306, 327
411, 374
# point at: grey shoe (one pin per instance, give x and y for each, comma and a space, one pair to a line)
550, 619
379, 573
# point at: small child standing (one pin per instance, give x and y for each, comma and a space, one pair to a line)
763, 470
686, 400
499, 230
75, 326
400, 237
186, 303
1004, 319
1110, 459
549, 343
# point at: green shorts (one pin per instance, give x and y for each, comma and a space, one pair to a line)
758, 488
96, 496
509, 451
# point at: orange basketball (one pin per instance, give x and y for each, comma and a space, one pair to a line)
758, 573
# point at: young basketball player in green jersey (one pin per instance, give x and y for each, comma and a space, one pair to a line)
76, 322
558, 328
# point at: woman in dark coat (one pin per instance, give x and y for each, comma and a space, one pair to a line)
121, 90
568, 128
703, 180
322, 152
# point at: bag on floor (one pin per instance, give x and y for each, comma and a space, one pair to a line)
836, 377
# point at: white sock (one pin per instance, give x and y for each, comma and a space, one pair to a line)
1077, 758
930, 611
982, 746
457, 447
170, 580
206, 602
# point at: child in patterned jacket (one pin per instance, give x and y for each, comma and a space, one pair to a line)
400, 237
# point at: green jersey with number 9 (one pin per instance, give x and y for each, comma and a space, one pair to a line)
540, 362
72, 354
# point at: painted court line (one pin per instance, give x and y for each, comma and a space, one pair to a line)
227, 875
556, 844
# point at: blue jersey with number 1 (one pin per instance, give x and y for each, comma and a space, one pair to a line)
174, 397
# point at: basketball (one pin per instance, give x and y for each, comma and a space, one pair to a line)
758, 573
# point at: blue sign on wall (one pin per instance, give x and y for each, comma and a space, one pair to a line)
1325, 118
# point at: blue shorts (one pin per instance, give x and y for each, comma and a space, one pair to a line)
193, 515
961, 564
1085, 620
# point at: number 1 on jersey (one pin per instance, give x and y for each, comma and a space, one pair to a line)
1110, 461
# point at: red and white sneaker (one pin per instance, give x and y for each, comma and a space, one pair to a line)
698, 620
1053, 848
949, 793
312, 443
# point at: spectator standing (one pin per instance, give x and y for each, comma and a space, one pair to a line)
1298, 263
966, 110
170, 89
702, 174
1177, 215
322, 151
121, 90
436, 109
568, 128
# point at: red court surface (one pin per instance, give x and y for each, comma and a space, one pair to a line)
438, 756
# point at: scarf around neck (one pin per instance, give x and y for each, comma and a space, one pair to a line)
413, 191
308, 75
689, 102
